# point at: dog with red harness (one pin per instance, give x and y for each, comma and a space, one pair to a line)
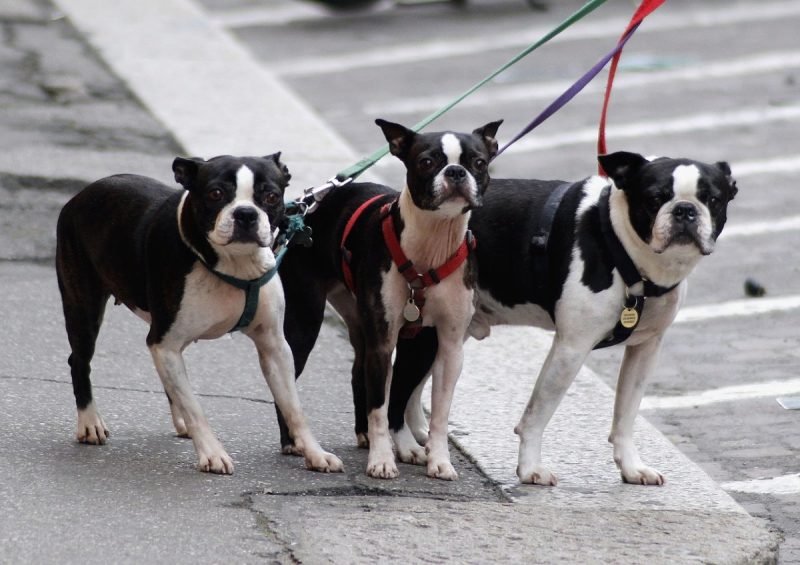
391, 263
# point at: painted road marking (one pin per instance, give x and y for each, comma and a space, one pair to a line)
702, 70
723, 394
735, 308
654, 128
595, 29
776, 225
774, 165
786, 484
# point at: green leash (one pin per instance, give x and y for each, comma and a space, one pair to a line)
351, 173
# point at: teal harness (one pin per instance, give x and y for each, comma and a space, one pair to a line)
296, 230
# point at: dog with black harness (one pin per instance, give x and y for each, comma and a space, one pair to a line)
601, 261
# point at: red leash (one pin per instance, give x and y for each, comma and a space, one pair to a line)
646, 8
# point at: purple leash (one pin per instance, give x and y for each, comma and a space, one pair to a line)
570, 92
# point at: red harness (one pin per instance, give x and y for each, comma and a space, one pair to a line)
417, 282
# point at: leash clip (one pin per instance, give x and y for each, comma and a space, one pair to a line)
314, 195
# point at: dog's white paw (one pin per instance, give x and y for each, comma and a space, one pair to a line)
382, 469
181, 430
91, 428
408, 450
442, 470
642, 475
324, 462
218, 462
413, 455
537, 475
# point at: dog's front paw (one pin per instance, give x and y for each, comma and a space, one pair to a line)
537, 475
442, 470
382, 469
219, 463
324, 462
91, 428
642, 475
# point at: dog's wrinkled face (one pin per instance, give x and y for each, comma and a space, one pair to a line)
446, 172
237, 202
673, 202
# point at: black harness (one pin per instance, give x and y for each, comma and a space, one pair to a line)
634, 305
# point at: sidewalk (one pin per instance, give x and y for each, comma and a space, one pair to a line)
69, 120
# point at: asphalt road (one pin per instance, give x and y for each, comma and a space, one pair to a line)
712, 80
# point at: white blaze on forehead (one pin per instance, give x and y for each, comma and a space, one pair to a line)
244, 183
451, 147
684, 181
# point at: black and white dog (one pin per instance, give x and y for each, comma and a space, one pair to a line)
600, 261
391, 264
180, 260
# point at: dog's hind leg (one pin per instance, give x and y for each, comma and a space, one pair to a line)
84, 302
558, 372
177, 420
638, 364
345, 305
409, 427
305, 311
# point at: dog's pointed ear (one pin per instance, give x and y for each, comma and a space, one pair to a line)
276, 157
726, 170
399, 137
489, 134
620, 166
185, 170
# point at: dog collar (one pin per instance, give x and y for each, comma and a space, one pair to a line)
622, 261
634, 305
418, 282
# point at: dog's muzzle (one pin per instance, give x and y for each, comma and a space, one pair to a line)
246, 227
459, 182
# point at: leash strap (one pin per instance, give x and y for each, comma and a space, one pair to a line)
346, 255
541, 238
646, 8
355, 170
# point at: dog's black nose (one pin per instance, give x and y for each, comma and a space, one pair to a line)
245, 216
455, 173
685, 212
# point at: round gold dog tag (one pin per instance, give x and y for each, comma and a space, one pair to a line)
629, 318
411, 312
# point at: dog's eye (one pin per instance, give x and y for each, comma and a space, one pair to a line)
215, 195
713, 201
272, 198
479, 165
426, 163
654, 203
